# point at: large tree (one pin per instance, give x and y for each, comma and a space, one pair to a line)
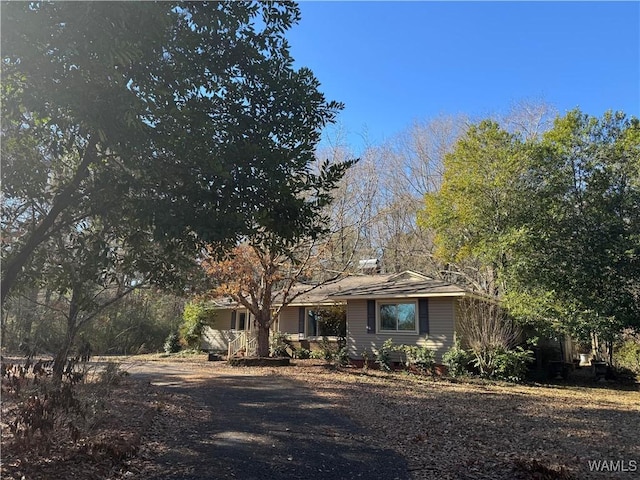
581, 253
474, 214
189, 113
268, 264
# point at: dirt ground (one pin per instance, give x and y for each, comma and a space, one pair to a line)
443, 429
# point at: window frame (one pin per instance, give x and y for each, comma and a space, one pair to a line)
392, 301
307, 321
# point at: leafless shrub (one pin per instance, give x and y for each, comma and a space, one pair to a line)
487, 331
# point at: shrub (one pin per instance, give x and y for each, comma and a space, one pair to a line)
457, 360
383, 355
172, 343
317, 355
512, 365
279, 345
342, 357
303, 353
327, 349
627, 356
365, 360
422, 358
194, 318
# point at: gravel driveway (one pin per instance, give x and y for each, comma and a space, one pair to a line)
252, 427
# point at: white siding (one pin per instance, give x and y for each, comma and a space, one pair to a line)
439, 339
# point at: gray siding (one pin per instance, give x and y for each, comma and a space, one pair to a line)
439, 339
288, 322
216, 340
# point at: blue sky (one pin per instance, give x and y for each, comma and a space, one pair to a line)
392, 63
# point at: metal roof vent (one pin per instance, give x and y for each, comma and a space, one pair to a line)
369, 266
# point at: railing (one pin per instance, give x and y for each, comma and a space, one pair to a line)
245, 344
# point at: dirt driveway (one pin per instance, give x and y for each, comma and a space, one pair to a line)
230, 424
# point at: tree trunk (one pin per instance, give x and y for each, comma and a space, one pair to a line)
72, 328
262, 321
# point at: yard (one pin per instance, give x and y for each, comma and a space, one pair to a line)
444, 429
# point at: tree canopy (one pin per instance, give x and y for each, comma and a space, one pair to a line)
185, 120
550, 222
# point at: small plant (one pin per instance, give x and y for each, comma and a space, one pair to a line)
421, 358
279, 345
328, 350
365, 360
511, 365
456, 359
303, 353
317, 354
172, 343
383, 355
342, 357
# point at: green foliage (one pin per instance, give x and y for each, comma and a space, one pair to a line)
329, 351
474, 213
303, 353
131, 114
457, 360
383, 355
512, 365
279, 344
419, 357
195, 317
584, 224
503, 364
627, 355
318, 355
365, 360
341, 357
172, 343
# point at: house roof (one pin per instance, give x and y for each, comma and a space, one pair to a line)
397, 285
401, 285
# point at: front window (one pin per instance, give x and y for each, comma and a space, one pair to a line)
314, 323
397, 317
327, 321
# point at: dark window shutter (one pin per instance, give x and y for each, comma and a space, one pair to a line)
371, 316
301, 315
423, 315
233, 320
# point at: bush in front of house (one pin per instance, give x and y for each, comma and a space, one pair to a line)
279, 344
457, 360
512, 365
342, 357
419, 357
383, 355
195, 317
303, 353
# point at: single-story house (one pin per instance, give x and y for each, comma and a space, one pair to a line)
409, 308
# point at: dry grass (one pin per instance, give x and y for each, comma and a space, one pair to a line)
445, 429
